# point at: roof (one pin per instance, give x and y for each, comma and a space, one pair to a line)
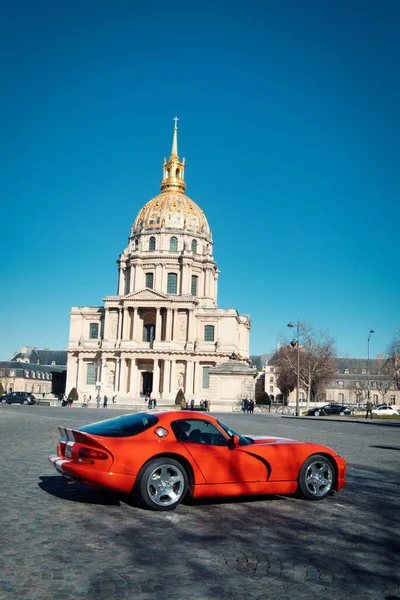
20, 367
42, 357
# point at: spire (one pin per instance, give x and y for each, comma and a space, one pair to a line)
174, 151
173, 170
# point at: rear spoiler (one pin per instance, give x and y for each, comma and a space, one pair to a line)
73, 435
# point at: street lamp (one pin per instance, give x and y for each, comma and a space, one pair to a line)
369, 382
297, 326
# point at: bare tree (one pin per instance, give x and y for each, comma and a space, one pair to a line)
383, 386
392, 365
317, 361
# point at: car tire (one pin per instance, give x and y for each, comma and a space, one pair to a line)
342, 413
25, 402
316, 478
162, 484
4, 401
317, 413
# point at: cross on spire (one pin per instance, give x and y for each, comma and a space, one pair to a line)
176, 119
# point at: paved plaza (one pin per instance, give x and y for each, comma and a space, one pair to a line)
70, 542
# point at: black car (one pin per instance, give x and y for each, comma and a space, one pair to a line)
19, 398
329, 409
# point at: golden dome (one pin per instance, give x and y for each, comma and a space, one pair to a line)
172, 210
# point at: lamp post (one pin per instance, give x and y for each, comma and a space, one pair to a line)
297, 326
369, 382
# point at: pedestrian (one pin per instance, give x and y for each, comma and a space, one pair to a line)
183, 404
246, 406
98, 400
150, 403
369, 409
114, 399
154, 402
105, 401
243, 405
251, 407
206, 406
84, 404
192, 404
89, 399
70, 401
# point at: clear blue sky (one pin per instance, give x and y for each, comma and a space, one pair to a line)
289, 122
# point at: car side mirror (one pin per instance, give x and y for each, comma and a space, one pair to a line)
234, 441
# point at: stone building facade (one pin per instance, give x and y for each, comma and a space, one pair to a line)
163, 331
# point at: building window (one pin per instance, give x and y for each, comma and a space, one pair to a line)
209, 333
149, 332
172, 283
149, 280
152, 243
375, 398
206, 378
93, 331
341, 398
271, 380
340, 383
173, 244
392, 400
271, 389
194, 285
194, 246
91, 374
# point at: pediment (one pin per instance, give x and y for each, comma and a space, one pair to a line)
146, 294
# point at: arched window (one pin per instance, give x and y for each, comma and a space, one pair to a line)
152, 243
177, 173
209, 333
194, 285
194, 246
172, 283
173, 244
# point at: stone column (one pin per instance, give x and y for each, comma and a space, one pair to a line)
106, 322
156, 378
132, 279
122, 383
158, 325
157, 284
79, 362
117, 374
172, 385
167, 376
136, 324
168, 326
189, 379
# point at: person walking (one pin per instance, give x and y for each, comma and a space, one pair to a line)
98, 400
251, 407
105, 401
192, 403
369, 409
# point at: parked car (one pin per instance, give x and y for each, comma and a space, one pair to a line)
385, 409
19, 398
329, 409
159, 459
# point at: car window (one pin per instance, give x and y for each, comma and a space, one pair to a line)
124, 426
198, 432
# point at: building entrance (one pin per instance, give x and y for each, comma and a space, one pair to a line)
147, 383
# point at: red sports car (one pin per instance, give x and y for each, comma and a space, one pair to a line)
161, 458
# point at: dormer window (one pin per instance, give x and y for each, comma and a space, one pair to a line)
364, 371
346, 371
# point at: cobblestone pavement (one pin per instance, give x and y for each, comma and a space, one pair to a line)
69, 542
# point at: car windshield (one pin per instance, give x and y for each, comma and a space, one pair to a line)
243, 441
125, 426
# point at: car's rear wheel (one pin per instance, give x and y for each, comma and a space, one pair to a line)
341, 413
162, 484
317, 413
25, 402
316, 477
4, 401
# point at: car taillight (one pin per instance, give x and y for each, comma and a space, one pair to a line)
91, 453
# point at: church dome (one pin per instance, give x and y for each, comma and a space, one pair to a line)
172, 209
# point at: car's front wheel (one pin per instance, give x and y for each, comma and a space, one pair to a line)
316, 477
162, 484
317, 413
4, 401
25, 402
341, 413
